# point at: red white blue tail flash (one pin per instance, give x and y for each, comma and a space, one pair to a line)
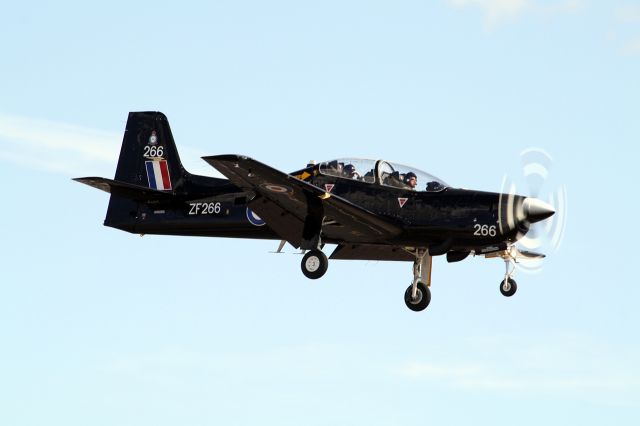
158, 174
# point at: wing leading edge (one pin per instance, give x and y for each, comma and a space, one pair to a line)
297, 210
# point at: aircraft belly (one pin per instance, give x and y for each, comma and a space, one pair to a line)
222, 232
205, 228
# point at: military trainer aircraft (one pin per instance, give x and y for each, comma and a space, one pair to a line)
372, 210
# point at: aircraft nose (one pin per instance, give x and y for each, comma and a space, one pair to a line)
536, 210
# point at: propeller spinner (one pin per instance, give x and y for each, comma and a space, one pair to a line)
540, 218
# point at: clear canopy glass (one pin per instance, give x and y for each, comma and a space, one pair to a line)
380, 172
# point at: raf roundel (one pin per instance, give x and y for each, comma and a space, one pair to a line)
279, 189
254, 219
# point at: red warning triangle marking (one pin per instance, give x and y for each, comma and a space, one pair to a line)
402, 201
328, 186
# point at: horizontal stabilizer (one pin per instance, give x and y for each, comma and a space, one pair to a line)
123, 189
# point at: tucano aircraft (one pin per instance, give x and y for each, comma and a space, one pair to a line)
372, 210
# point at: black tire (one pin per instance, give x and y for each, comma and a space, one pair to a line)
509, 288
314, 264
422, 301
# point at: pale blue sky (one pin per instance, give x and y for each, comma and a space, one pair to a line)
102, 327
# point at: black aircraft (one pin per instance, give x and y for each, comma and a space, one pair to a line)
372, 210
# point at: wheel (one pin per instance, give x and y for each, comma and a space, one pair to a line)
314, 264
423, 297
508, 288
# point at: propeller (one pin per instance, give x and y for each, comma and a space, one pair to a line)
539, 215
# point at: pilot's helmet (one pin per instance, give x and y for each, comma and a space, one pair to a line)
349, 170
408, 177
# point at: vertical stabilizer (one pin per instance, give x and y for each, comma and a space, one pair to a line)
149, 156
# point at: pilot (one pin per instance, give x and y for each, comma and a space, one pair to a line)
411, 179
335, 168
350, 172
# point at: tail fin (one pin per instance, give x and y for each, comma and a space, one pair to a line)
149, 171
149, 156
148, 159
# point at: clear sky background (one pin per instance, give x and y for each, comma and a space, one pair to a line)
101, 327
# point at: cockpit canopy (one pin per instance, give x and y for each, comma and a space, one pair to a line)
380, 172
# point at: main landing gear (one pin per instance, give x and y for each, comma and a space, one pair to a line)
314, 264
417, 296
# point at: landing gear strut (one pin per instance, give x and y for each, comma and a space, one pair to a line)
417, 296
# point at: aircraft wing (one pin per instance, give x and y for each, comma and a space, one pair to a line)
290, 205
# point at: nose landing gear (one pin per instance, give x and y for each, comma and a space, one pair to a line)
508, 286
